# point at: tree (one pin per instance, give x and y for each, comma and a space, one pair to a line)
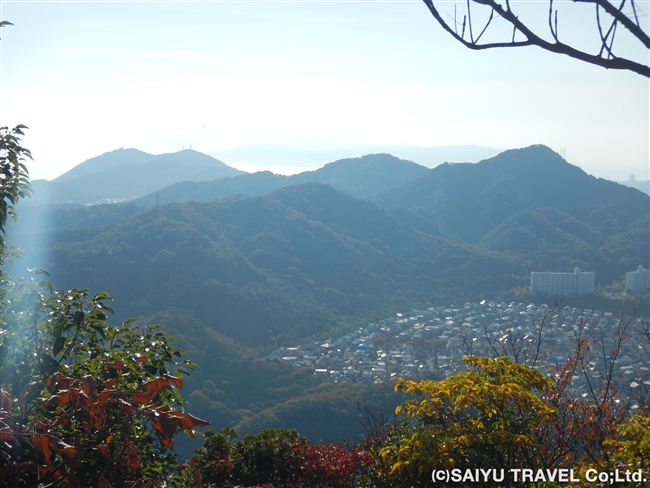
481, 418
82, 403
14, 178
272, 457
609, 20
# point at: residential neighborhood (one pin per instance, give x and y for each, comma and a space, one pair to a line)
432, 343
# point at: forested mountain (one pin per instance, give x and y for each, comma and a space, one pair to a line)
307, 260
532, 203
360, 177
129, 173
297, 262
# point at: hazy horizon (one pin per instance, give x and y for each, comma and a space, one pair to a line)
89, 77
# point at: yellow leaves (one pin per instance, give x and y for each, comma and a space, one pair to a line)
494, 406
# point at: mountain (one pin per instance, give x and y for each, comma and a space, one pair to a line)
365, 176
235, 276
313, 155
128, 173
531, 202
250, 184
105, 162
294, 263
359, 177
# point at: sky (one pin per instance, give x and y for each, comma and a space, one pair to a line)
90, 77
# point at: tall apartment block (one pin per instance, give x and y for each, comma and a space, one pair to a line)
576, 283
638, 281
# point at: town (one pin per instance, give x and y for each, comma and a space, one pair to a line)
432, 343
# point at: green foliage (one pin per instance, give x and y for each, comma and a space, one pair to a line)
272, 457
94, 403
82, 403
14, 177
481, 418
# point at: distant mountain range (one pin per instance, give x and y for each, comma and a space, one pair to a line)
359, 177
125, 174
316, 155
304, 256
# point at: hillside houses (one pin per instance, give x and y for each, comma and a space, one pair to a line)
432, 342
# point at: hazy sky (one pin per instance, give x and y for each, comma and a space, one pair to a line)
90, 77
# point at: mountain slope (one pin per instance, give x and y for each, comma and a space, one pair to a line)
129, 173
104, 162
297, 262
365, 176
532, 204
359, 177
470, 200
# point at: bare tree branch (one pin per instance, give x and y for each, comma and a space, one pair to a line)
606, 58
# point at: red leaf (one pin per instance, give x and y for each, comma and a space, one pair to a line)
43, 445
103, 448
117, 364
51, 381
175, 380
126, 407
7, 434
103, 483
89, 385
141, 397
104, 396
133, 459
165, 426
153, 387
189, 421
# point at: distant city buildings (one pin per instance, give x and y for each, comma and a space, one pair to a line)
421, 343
638, 281
576, 283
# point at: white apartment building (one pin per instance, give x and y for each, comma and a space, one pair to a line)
576, 283
638, 281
